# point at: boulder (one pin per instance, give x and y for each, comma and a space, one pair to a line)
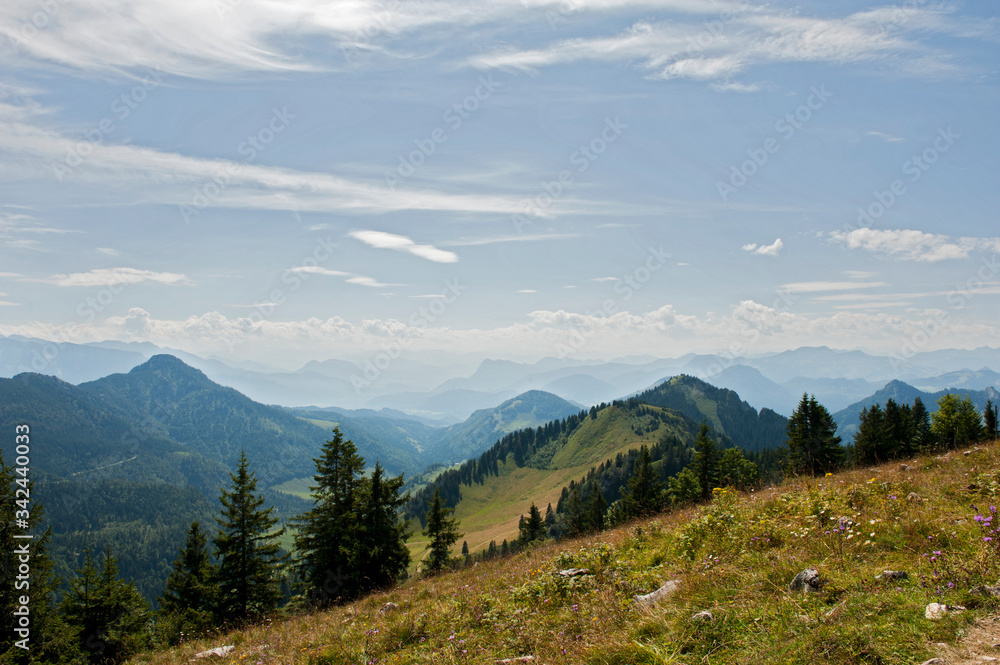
664, 592
808, 581
892, 575
389, 607
937, 611
217, 652
575, 572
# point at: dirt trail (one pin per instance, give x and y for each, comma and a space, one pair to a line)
980, 645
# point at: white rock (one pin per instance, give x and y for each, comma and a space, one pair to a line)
665, 591
216, 652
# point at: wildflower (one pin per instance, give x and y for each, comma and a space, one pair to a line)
987, 539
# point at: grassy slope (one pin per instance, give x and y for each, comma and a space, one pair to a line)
519, 607
491, 511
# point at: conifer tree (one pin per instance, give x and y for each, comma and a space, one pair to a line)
956, 422
736, 471
706, 461
188, 599
250, 559
575, 518
684, 488
924, 440
597, 508
644, 495
869, 445
326, 533
813, 446
990, 420
532, 528
443, 533
380, 556
109, 616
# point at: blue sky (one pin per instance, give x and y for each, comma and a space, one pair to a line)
282, 181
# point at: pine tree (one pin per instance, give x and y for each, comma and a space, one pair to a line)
188, 600
736, 471
250, 559
443, 533
551, 523
869, 440
109, 616
644, 495
327, 532
925, 440
706, 461
956, 422
597, 508
990, 420
684, 488
813, 446
532, 528
380, 556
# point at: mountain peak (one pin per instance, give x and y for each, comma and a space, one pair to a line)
164, 362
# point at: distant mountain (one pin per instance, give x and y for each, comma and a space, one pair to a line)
181, 403
902, 393
834, 394
478, 432
723, 409
964, 379
758, 390
72, 363
824, 362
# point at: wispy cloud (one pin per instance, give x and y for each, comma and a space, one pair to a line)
368, 281
888, 138
525, 237
383, 240
913, 245
817, 287
114, 277
352, 278
765, 250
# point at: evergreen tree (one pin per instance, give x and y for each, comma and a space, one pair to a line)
706, 461
443, 533
736, 471
326, 533
644, 495
597, 508
532, 528
575, 517
990, 420
188, 600
924, 440
380, 553
813, 446
110, 618
869, 440
250, 559
956, 422
551, 523
684, 488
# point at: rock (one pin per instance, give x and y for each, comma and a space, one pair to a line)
703, 616
988, 659
904, 467
217, 652
389, 607
913, 497
933, 661
575, 572
892, 575
807, 581
985, 591
519, 659
664, 592
938, 611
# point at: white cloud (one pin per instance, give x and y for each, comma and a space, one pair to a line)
912, 245
114, 277
367, 281
888, 138
813, 287
109, 251
383, 240
527, 291
5, 303
764, 250
317, 270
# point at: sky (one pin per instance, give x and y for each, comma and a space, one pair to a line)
284, 180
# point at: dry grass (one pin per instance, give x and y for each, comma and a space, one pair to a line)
733, 557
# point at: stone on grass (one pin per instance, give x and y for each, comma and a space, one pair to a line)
933, 661
904, 467
808, 581
217, 652
892, 575
664, 592
519, 659
913, 497
574, 572
937, 611
985, 591
704, 615
389, 607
